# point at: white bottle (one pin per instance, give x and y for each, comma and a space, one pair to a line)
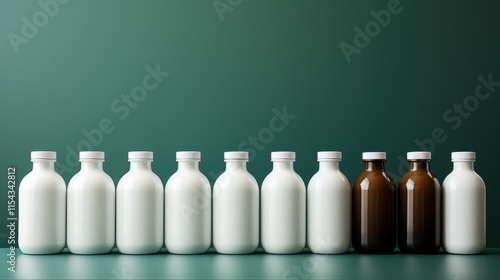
464, 207
139, 207
329, 207
91, 208
283, 212
236, 207
42, 207
188, 207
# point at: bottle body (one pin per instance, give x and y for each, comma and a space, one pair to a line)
329, 211
236, 211
464, 211
283, 210
139, 210
42, 210
419, 197
187, 210
374, 197
91, 210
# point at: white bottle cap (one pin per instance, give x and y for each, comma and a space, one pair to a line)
418, 155
282, 156
463, 156
189, 155
47, 155
374, 156
329, 155
91, 155
236, 156
140, 155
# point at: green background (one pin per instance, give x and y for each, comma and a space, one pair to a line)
227, 76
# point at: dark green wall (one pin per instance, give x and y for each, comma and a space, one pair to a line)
228, 73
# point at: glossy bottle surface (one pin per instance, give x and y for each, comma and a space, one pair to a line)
42, 208
139, 208
419, 222
464, 208
91, 208
188, 208
329, 208
374, 197
236, 209
283, 209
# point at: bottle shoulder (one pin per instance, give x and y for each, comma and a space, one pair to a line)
91, 178
463, 178
282, 178
418, 179
187, 178
42, 179
240, 179
329, 179
134, 179
373, 179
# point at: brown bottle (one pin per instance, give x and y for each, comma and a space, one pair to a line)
373, 212
419, 207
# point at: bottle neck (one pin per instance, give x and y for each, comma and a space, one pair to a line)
283, 165
236, 165
140, 165
92, 165
328, 165
421, 165
188, 165
463, 165
374, 165
43, 165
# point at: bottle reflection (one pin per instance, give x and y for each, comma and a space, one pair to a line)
235, 266
88, 266
137, 266
278, 266
463, 267
38, 266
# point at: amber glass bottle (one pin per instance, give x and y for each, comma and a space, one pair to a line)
419, 195
373, 213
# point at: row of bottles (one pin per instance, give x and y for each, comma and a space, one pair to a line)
147, 216
421, 200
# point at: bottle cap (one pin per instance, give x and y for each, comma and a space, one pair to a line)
91, 155
418, 155
138, 155
282, 156
330, 155
236, 156
463, 156
47, 155
374, 156
190, 155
